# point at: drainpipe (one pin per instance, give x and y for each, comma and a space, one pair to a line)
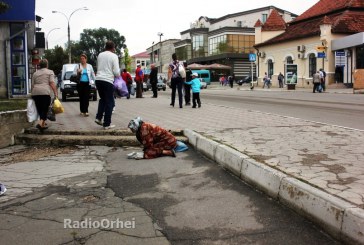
257, 67
6, 41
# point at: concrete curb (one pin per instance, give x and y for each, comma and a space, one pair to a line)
341, 219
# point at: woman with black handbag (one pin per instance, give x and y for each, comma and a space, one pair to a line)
42, 83
87, 74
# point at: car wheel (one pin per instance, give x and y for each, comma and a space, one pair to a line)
164, 89
64, 97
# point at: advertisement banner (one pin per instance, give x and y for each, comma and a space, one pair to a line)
290, 74
20, 10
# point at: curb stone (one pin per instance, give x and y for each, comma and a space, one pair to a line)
339, 218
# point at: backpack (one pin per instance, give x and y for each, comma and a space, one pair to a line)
181, 70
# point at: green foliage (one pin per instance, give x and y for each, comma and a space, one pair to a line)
127, 60
13, 104
4, 7
56, 58
92, 42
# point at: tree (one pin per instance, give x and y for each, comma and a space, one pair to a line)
92, 42
56, 58
127, 60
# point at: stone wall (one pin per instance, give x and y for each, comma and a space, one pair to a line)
12, 123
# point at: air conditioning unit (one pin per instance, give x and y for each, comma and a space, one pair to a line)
301, 48
261, 54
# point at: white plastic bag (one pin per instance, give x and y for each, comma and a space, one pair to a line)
32, 112
2, 189
181, 71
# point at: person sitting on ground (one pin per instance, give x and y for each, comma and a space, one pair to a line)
156, 141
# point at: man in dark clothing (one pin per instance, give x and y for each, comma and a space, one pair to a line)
176, 81
187, 87
153, 79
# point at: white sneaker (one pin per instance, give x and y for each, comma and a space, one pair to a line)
109, 127
99, 122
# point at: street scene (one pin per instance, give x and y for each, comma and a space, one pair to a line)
240, 123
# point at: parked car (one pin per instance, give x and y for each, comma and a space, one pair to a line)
147, 86
203, 83
161, 85
246, 79
68, 88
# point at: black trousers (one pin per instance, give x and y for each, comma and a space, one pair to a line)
42, 103
196, 98
154, 89
83, 89
315, 86
177, 83
139, 90
187, 90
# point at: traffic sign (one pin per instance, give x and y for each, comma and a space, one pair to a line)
320, 48
321, 55
252, 57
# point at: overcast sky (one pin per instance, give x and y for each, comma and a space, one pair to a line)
140, 21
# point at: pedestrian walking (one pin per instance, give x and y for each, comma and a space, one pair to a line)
107, 70
231, 80
266, 80
323, 79
280, 79
87, 75
125, 75
42, 83
139, 78
153, 79
316, 82
196, 87
176, 80
187, 87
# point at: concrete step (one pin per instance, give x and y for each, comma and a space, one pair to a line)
119, 132
108, 138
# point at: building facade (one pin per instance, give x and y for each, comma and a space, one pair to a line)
327, 36
227, 40
160, 54
22, 44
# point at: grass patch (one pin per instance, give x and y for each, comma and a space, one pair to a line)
13, 104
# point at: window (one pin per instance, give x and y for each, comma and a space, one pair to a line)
18, 59
231, 43
199, 46
264, 18
270, 68
312, 65
360, 57
289, 60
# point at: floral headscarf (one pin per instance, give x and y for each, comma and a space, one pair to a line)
135, 124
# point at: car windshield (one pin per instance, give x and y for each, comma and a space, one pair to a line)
67, 75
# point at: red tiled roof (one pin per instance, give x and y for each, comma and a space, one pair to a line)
258, 23
275, 22
141, 55
328, 6
343, 21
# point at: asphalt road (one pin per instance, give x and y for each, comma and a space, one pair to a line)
346, 110
195, 201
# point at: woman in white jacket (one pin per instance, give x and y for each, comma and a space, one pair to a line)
83, 87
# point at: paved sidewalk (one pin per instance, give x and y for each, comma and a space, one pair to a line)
325, 156
321, 157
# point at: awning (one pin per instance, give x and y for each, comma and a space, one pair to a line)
219, 66
197, 66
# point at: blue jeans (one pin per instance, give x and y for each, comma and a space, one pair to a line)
106, 101
177, 83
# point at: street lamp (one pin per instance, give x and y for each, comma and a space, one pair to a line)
160, 34
50, 33
69, 31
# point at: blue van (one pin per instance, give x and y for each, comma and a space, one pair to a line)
204, 74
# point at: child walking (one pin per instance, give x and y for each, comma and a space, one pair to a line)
196, 86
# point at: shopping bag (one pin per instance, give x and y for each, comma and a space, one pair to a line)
120, 87
180, 146
132, 90
57, 106
50, 114
32, 112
